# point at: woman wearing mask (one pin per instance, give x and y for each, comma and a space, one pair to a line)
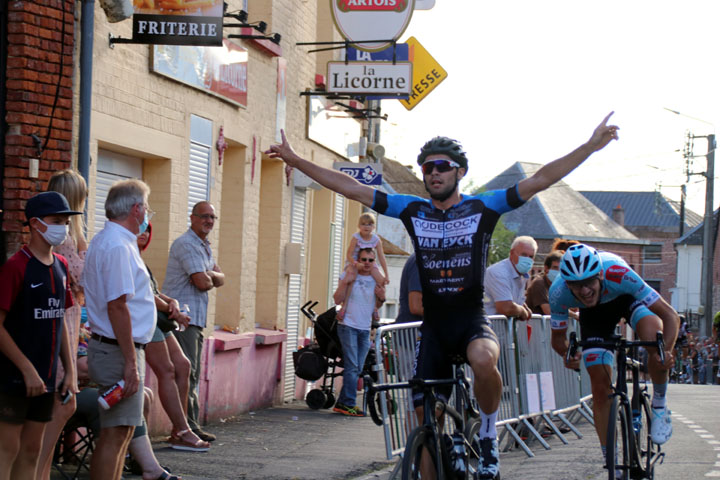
170, 365
73, 248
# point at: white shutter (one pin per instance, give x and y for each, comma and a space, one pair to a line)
200, 158
199, 178
297, 235
111, 168
337, 254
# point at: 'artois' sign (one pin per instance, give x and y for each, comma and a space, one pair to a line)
372, 5
361, 21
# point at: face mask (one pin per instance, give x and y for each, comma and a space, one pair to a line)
143, 226
55, 234
524, 265
552, 275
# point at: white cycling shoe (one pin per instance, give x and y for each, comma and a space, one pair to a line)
661, 428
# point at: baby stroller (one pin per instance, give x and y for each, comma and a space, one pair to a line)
323, 356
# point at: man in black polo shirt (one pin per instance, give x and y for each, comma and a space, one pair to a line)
34, 293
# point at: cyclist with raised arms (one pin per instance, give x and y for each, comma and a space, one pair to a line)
451, 234
606, 289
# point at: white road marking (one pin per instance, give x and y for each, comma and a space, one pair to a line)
715, 473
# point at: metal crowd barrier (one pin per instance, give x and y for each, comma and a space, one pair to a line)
537, 388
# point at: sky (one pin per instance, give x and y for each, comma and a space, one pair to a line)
529, 81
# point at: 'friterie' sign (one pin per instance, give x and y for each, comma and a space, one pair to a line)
178, 22
360, 21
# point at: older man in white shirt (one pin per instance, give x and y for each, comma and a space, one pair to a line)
506, 281
122, 316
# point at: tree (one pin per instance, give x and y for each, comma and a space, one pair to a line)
500, 243
502, 237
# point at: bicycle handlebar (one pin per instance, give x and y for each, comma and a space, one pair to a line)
373, 389
659, 343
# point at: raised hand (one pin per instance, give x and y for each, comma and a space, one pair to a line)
283, 151
603, 134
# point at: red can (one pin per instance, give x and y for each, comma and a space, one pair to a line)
112, 396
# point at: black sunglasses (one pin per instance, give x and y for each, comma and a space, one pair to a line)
442, 166
578, 284
368, 260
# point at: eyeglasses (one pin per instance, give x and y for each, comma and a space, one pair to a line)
442, 166
578, 284
148, 210
207, 216
367, 260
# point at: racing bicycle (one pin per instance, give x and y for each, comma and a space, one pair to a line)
631, 453
453, 456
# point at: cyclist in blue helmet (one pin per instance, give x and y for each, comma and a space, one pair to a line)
451, 234
606, 289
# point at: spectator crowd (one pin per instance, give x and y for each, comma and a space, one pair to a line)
79, 321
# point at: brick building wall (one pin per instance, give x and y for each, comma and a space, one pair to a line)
39, 66
632, 253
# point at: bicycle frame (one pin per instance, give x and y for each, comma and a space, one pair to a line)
626, 358
434, 409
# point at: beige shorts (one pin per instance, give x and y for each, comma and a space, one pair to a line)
105, 366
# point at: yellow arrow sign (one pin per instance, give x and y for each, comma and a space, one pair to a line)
427, 73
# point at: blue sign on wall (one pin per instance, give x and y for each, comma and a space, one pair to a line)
365, 173
401, 54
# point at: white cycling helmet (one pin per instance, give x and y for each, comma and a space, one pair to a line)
580, 262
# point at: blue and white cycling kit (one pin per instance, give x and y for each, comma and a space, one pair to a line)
451, 248
623, 294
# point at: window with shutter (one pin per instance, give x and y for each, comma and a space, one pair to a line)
200, 157
111, 167
297, 235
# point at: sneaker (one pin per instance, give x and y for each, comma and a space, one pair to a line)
355, 412
661, 428
204, 436
348, 411
489, 467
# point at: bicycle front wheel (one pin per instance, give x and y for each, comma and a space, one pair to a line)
618, 443
648, 449
420, 443
474, 452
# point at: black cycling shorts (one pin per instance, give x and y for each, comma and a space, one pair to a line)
445, 335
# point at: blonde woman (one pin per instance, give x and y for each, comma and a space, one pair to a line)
73, 187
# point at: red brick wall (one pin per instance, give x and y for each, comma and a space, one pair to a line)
35, 51
630, 252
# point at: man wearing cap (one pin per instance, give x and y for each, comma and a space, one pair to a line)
34, 293
121, 313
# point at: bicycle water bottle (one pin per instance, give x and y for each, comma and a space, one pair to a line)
458, 455
637, 421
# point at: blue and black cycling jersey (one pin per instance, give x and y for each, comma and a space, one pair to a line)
451, 245
618, 280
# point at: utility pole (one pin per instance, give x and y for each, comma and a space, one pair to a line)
706, 289
708, 240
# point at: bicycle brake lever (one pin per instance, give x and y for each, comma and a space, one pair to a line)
661, 347
572, 349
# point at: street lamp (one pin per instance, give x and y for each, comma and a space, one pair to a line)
708, 244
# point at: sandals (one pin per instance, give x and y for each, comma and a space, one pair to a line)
168, 476
177, 443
